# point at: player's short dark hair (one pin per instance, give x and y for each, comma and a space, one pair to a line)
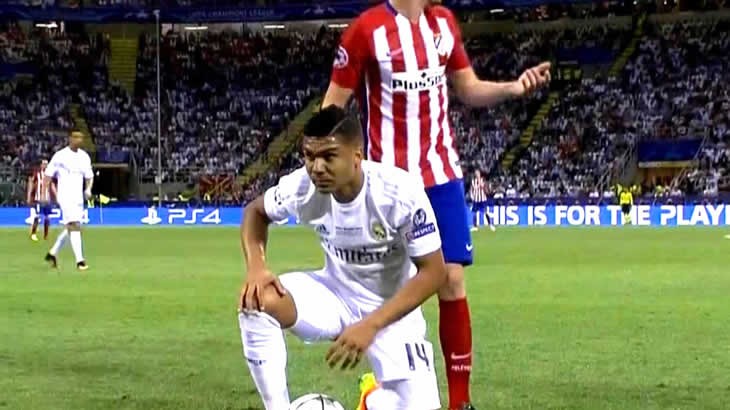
334, 121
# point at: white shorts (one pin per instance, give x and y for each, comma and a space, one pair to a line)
71, 212
400, 356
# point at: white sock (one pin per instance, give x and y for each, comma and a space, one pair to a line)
75, 237
265, 352
60, 240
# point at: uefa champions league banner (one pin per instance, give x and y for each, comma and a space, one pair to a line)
550, 215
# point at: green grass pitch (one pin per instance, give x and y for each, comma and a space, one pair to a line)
566, 318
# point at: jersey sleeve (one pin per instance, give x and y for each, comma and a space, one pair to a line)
348, 67
459, 59
419, 224
285, 199
88, 172
52, 167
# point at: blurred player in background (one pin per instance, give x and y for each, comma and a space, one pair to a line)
478, 195
39, 198
71, 167
626, 200
382, 261
395, 58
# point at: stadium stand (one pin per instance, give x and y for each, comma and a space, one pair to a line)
227, 96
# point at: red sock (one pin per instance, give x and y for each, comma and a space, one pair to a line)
46, 225
34, 227
455, 335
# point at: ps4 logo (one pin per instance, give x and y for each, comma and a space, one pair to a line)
183, 216
55, 215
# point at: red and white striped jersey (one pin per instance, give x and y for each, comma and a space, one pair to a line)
398, 71
39, 191
478, 189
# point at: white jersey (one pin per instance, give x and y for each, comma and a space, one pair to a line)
70, 168
369, 242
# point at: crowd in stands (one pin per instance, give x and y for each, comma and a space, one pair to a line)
35, 109
680, 79
225, 96
671, 88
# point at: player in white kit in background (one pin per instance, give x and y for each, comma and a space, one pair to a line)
71, 167
382, 261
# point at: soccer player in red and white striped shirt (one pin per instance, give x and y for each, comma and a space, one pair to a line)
39, 197
478, 195
396, 58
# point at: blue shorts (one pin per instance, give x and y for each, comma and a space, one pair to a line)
454, 221
479, 207
43, 209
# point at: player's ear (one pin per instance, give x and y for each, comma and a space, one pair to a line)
359, 154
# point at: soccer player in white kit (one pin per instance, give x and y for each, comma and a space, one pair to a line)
71, 166
382, 261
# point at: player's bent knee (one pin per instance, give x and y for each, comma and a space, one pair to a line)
280, 307
455, 286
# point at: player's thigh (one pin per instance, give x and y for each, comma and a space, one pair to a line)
454, 221
402, 352
403, 362
320, 313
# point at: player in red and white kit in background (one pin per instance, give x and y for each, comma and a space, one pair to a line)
479, 197
395, 59
39, 199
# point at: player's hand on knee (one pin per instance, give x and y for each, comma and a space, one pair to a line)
351, 344
252, 292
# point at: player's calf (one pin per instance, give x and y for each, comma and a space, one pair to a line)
74, 234
455, 335
455, 286
264, 347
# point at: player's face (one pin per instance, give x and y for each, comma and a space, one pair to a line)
75, 139
330, 163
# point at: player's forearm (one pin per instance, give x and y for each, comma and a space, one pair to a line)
254, 235
336, 95
89, 184
487, 93
412, 295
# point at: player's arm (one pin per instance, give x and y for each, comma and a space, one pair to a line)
254, 235
31, 187
88, 178
50, 172
480, 93
277, 203
429, 279
347, 69
424, 247
418, 227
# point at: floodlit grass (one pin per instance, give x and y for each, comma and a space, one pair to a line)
567, 318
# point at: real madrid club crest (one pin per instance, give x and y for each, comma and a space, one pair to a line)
378, 230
